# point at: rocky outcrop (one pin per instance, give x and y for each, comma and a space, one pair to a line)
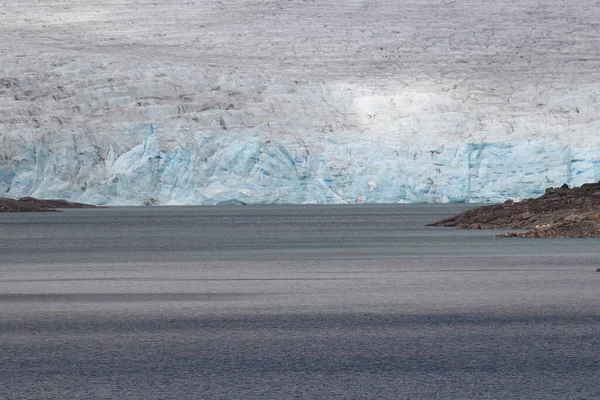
560, 212
30, 204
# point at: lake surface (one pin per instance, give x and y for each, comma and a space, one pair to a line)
291, 302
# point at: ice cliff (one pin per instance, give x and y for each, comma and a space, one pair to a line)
184, 103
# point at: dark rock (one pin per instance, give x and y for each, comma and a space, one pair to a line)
232, 202
31, 204
590, 186
564, 186
151, 201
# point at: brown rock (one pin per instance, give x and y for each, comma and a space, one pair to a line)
525, 215
560, 212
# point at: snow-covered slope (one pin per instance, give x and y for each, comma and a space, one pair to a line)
202, 102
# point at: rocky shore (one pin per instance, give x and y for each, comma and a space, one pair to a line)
31, 204
560, 213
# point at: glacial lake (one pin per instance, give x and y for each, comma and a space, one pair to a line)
291, 302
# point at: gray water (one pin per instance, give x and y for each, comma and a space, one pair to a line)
284, 302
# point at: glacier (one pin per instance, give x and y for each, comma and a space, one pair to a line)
223, 102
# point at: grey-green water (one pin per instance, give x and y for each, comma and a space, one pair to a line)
284, 302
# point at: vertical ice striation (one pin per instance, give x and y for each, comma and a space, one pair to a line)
371, 101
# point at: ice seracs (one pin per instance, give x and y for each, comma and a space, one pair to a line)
211, 103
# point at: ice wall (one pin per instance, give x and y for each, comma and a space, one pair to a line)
110, 104
294, 143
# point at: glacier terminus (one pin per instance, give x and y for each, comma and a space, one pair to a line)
373, 101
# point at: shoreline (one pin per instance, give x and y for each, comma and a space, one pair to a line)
559, 213
31, 204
